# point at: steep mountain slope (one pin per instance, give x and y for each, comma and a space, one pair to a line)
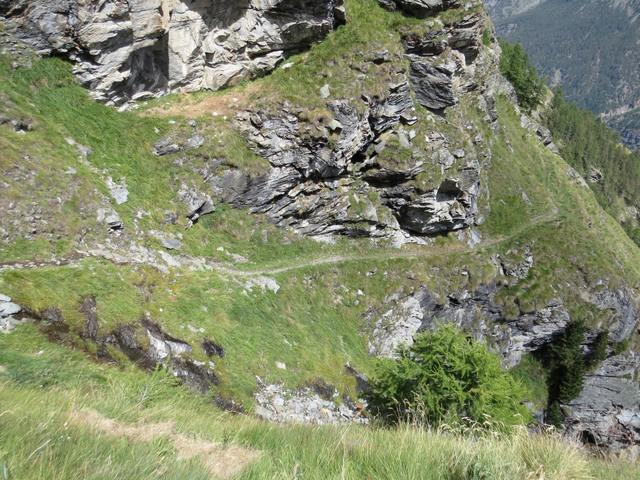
590, 49
265, 243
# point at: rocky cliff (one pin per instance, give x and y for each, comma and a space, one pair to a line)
126, 51
378, 183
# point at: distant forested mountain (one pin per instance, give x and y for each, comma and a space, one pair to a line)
591, 48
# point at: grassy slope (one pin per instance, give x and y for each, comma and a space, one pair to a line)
38, 442
313, 324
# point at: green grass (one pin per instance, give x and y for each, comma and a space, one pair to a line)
37, 441
315, 323
532, 374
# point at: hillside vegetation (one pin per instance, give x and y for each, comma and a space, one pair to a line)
587, 48
259, 306
122, 423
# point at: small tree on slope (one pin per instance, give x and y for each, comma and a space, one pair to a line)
445, 377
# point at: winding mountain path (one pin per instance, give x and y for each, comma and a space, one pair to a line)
164, 261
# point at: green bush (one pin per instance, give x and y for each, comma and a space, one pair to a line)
567, 365
515, 66
599, 349
444, 378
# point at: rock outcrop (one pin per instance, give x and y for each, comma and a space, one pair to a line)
129, 50
475, 312
607, 412
479, 314
419, 8
343, 175
320, 187
305, 405
8, 310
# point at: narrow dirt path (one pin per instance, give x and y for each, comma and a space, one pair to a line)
224, 462
164, 261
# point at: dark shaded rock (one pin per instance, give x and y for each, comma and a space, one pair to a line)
88, 308
22, 125
433, 84
51, 315
466, 36
387, 113
607, 412
451, 207
429, 45
228, 405
166, 146
420, 8
362, 383
322, 388
195, 375
381, 57
125, 339
212, 348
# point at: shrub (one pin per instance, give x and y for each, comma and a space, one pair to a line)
515, 66
568, 363
443, 378
599, 349
567, 366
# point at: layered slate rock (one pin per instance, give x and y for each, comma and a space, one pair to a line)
331, 181
475, 312
128, 50
607, 412
440, 60
420, 8
339, 177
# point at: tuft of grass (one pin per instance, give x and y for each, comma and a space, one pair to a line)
38, 441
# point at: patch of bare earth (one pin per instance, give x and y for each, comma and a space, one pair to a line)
223, 462
217, 104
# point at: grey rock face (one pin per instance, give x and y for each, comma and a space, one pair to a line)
439, 61
433, 84
129, 50
474, 312
420, 8
607, 412
276, 404
624, 311
308, 185
320, 187
7, 311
